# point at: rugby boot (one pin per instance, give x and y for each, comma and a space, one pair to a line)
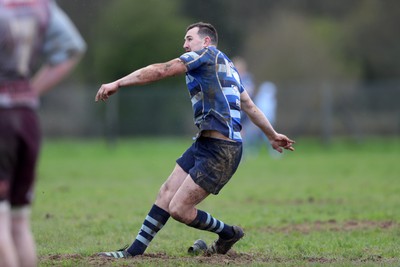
120, 253
222, 246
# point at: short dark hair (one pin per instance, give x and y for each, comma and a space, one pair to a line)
205, 29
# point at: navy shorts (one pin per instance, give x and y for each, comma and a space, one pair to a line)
19, 149
211, 162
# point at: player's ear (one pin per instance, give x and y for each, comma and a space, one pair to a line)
207, 41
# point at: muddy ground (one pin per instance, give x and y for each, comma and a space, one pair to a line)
232, 258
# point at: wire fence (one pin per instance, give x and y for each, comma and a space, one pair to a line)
326, 110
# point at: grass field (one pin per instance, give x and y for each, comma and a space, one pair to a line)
317, 206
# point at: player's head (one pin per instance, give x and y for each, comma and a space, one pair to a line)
200, 35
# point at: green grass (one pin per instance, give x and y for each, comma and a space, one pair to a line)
332, 205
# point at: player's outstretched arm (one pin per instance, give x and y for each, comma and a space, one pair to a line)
277, 140
149, 74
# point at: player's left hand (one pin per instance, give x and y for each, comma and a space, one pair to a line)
282, 141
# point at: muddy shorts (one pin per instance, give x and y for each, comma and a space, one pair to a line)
211, 162
19, 149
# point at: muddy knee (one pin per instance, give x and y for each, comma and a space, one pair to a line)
180, 213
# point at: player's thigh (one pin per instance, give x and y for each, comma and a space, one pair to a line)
188, 196
4, 218
20, 219
170, 187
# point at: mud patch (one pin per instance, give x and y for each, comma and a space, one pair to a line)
295, 202
162, 259
333, 225
233, 258
154, 259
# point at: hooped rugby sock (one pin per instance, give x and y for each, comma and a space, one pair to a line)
153, 223
204, 221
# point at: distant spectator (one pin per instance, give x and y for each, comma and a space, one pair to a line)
247, 81
245, 75
265, 98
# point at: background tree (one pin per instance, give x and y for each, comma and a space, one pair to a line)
308, 42
360, 36
372, 39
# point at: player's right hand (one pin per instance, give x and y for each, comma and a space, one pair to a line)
106, 90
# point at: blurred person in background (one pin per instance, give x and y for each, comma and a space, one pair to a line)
217, 96
245, 75
39, 46
266, 99
247, 81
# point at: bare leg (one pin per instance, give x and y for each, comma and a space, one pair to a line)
23, 237
170, 187
156, 218
8, 255
182, 207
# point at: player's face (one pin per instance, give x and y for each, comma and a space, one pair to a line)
193, 42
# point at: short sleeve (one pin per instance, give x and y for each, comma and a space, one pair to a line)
62, 39
194, 60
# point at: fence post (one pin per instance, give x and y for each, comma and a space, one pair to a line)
327, 113
112, 120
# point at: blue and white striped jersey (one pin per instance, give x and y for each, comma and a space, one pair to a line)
214, 86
